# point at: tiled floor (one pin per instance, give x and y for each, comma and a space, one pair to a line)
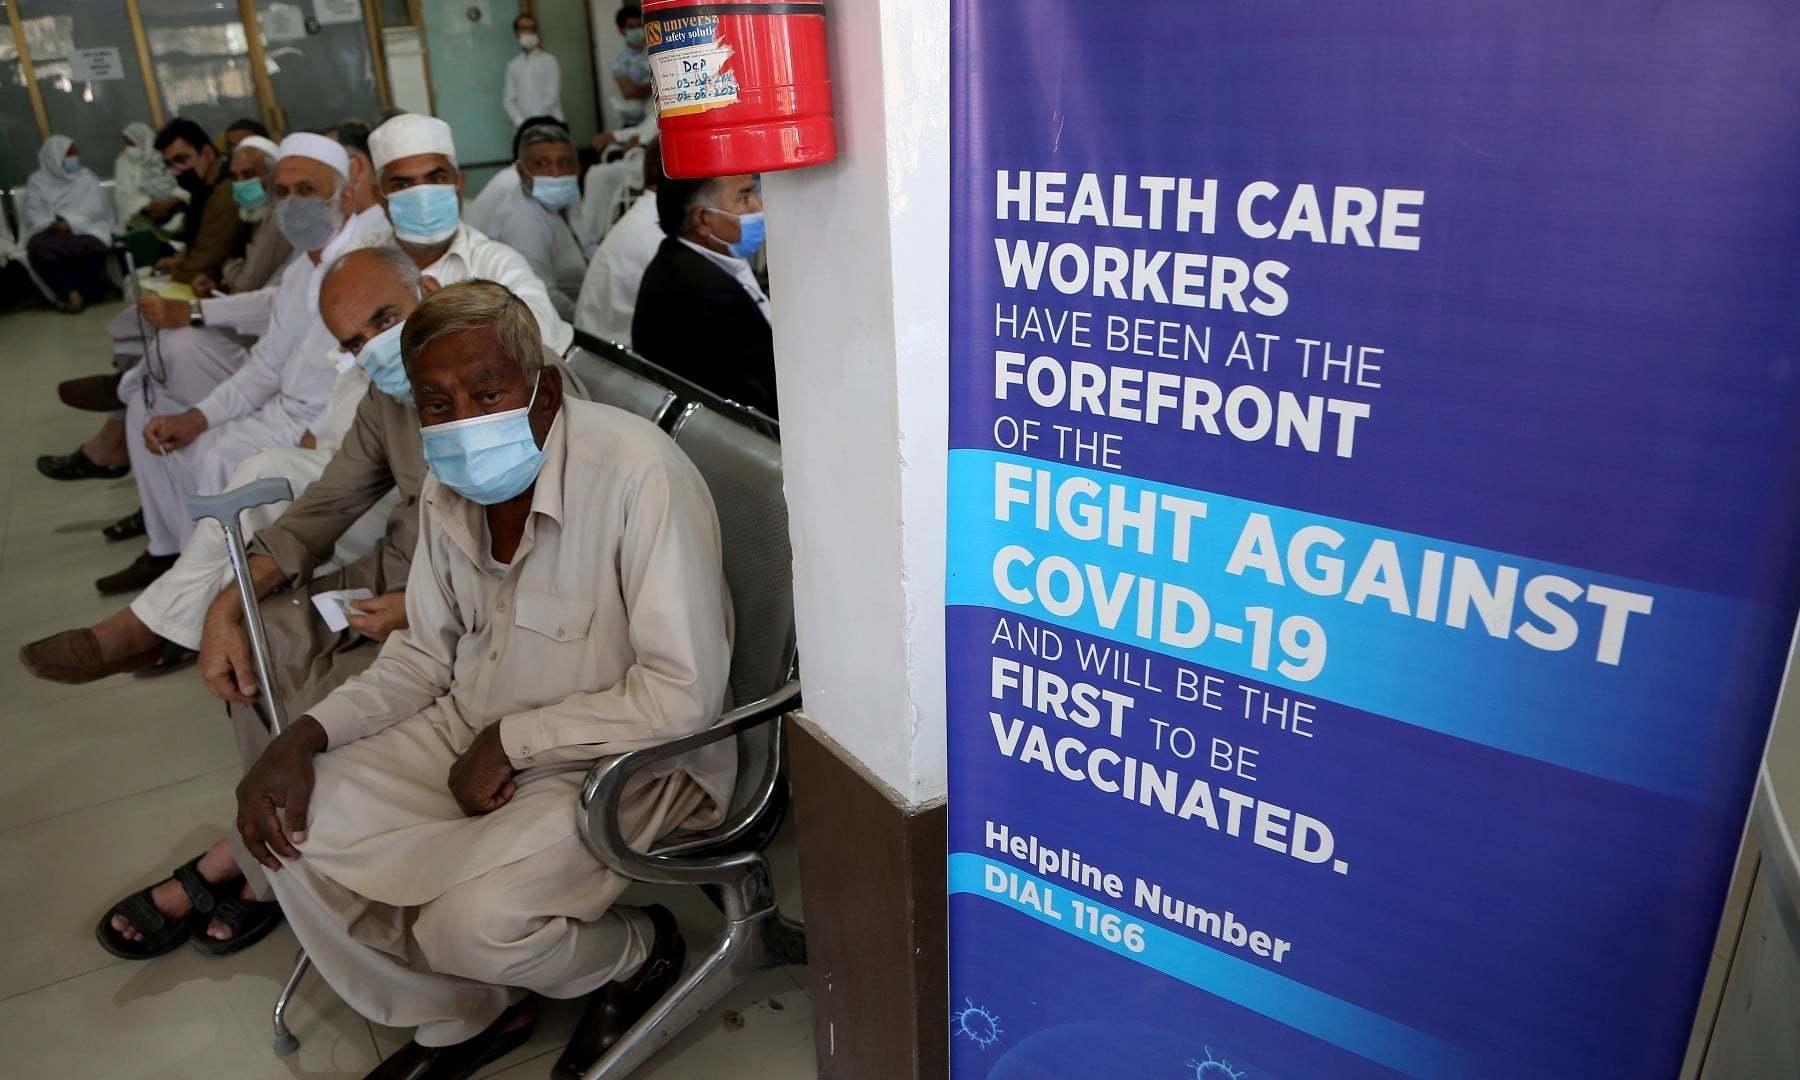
104, 788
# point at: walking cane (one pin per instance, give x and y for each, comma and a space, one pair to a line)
226, 508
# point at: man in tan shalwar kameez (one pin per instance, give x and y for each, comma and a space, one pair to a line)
579, 616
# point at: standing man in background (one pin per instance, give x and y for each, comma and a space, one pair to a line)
631, 68
533, 78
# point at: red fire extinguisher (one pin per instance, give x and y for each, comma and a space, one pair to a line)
740, 87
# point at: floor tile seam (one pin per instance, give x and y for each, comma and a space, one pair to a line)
4, 998
4, 829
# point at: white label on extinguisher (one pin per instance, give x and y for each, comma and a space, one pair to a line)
690, 65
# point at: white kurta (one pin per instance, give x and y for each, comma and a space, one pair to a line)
609, 631
554, 247
270, 401
609, 291
174, 605
533, 87
52, 193
474, 257
480, 211
140, 177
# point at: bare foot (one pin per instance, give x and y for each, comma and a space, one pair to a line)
123, 634
171, 899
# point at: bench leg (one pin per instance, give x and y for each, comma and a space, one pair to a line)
756, 939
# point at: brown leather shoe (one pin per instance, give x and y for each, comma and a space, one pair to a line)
415, 1062
73, 657
91, 393
612, 1009
137, 576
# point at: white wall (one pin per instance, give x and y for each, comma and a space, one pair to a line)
859, 265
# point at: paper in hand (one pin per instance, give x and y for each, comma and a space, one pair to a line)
334, 607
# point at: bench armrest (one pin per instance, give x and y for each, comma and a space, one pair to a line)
694, 862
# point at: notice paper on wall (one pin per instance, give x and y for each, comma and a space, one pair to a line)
1373, 513
95, 65
337, 11
282, 22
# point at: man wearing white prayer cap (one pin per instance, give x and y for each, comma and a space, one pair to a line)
418, 182
187, 439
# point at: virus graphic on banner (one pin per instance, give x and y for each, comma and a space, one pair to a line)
1214, 1068
980, 1025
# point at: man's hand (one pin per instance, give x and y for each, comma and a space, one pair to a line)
164, 265
604, 140
378, 616
226, 665
165, 433
160, 311
274, 795
162, 209
225, 662
203, 285
481, 780
58, 227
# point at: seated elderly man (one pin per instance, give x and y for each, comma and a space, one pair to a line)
180, 446
566, 603
194, 345
701, 313
500, 186
365, 297
541, 220
420, 186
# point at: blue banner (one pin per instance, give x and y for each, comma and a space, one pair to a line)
1374, 490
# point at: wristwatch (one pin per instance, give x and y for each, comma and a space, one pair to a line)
195, 316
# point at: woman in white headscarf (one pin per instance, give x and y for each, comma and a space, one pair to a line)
145, 193
68, 225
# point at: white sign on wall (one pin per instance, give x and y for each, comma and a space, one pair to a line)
337, 11
282, 22
95, 65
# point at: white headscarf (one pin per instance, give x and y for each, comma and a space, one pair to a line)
139, 175
75, 197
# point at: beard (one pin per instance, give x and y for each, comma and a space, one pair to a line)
257, 215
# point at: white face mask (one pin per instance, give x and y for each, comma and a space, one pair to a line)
528, 40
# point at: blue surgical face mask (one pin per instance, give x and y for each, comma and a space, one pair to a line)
555, 192
486, 459
380, 358
72, 164
425, 213
751, 233
249, 194
634, 37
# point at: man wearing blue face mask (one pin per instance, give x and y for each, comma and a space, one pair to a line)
182, 446
540, 220
701, 313
358, 508
566, 603
418, 182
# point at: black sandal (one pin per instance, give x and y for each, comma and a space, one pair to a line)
250, 921
172, 659
78, 466
161, 933
129, 527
